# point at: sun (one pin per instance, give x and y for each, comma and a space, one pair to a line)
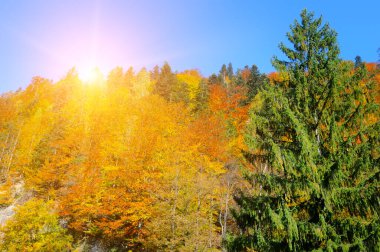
90, 75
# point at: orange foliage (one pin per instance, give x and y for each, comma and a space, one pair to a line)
209, 132
121, 163
276, 77
227, 107
245, 73
228, 104
373, 69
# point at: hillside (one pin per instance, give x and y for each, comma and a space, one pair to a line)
158, 160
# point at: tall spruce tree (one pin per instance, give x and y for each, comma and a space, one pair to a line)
314, 153
255, 82
166, 83
230, 71
223, 74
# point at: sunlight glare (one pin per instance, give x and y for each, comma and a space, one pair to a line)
90, 75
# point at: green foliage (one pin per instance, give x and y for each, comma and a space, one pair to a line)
202, 96
34, 227
255, 82
252, 80
213, 80
230, 71
223, 74
315, 183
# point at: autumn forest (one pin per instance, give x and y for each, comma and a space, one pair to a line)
161, 160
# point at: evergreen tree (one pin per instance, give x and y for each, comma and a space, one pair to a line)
213, 80
255, 81
180, 92
202, 95
155, 73
314, 153
129, 77
251, 79
223, 74
358, 61
166, 83
230, 71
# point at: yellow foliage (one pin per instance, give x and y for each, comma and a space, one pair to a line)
192, 79
34, 227
5, 194
119, 162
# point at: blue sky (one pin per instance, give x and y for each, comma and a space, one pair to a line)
47, 38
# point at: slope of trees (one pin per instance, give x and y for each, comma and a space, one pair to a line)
154, 160
133, 162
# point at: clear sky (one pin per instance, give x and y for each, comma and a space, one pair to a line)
48, 37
